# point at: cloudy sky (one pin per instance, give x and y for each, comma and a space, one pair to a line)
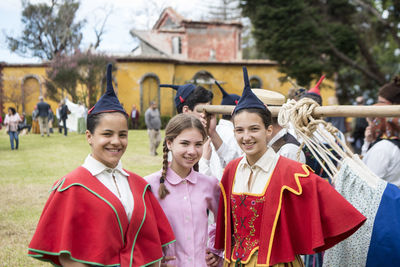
124, 15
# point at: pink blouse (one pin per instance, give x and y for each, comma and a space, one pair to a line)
186, 209
12, 122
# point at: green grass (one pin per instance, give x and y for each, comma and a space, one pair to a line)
28, 173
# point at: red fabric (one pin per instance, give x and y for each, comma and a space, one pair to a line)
312, 221
76, 220
246, 224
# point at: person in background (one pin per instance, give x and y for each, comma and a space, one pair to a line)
153, 123
382, 138
64, 111
51, 120
134, 116
24, 125
338, 122
81, 114
11, 122
101, 214
43, 116
213, 162
195, 193
35, 121
358, 129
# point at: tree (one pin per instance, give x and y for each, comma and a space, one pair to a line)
49, 30
224, 10
355, 41
84, 71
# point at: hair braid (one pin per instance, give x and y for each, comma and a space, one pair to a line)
163, 191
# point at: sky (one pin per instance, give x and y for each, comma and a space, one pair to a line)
124, 15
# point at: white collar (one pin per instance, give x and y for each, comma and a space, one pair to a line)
278, 135
95, 167
266, 162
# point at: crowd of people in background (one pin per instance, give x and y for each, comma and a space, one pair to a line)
226, 177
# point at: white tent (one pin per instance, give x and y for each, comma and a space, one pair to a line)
77, 111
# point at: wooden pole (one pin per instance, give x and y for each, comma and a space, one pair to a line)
324, 111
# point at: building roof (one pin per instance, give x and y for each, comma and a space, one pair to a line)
158, 42
155, 42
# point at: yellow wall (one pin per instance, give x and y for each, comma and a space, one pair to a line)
130, 74
13, 79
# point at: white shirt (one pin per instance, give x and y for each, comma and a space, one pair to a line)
228, 151
213, 166
287, 150
262, 171
383, 159
105, 175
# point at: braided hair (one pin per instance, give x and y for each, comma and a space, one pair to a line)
175, 126
162, 190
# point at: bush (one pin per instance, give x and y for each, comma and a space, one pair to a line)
28, 119
164, 121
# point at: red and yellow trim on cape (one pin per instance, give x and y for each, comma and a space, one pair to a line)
294, 191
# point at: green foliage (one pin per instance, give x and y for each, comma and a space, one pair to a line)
350, 41
49, 29
84, 69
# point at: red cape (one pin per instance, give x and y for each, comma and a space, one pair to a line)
83, 218
303, 214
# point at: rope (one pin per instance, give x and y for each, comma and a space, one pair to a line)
299, 116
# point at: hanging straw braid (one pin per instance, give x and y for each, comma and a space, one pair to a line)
163, 191
300, 115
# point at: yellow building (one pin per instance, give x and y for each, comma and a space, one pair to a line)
175, 51
138, 78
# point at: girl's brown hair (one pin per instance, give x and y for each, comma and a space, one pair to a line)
175, 126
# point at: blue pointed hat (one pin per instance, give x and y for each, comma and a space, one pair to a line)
228, 99
248, 98
109, 101
182, 92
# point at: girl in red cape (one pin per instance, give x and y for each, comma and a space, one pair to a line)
273, 209
101, 214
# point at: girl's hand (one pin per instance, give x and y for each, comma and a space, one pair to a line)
207, 149
368, 134
212, 260
166, 259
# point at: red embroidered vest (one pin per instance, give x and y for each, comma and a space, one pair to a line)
246, 211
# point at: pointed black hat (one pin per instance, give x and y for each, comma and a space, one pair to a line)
228, 99
182, 92
109, 101
248, 98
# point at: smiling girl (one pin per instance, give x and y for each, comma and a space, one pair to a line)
184, 194
101, 214
273, 209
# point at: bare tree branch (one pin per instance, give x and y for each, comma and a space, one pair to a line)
392, 28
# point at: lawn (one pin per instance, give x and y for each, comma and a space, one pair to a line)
28, 173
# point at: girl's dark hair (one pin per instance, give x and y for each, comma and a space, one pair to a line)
94, 119
265, 115
199, 95
175, 127
13, 111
